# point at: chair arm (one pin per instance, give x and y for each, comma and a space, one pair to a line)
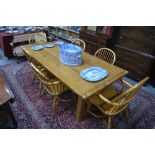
104, 99
50, 83
12, 44
107, 101
127, 83
42, 69
50, 38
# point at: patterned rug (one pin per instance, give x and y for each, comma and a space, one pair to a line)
31, 111
1, 57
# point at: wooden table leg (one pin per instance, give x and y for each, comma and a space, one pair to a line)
81, 109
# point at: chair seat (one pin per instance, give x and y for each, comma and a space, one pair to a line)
55, 87
108, 93
108, 109
18, 51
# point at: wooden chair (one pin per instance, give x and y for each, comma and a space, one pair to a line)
38, 66
17, 49
26, 55
106, 54
52, 85
111, 103
37, 38
36, 63
80, 43
40, 38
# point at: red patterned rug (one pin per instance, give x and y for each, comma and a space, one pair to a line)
31, 111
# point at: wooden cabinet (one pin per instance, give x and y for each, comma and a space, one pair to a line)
134, 47
6, 38
7, 119
135, 50
67, 33
95, 37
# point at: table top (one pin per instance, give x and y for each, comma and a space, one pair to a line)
5, 94
70, 75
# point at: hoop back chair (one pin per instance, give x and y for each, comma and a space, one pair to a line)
38, 66
17, 49
29, 59
106, 54
111, 103
52, 85
40, 38
80, 43
33, 61
36, 63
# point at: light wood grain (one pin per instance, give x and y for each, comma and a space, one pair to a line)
5, 93
49, 58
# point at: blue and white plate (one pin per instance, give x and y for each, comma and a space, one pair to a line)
48, 45
59, 42
37, 47
94, 74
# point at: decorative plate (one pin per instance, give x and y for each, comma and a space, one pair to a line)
94, 74
48, 45
59, 42
37, 47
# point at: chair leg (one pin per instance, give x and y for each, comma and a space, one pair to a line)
127, 116
53, 105
88, 107
33, 79
40, 89
16, 57
75, 98
109, 122
17, 60
43, 91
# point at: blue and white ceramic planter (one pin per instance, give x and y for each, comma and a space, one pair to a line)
70, 54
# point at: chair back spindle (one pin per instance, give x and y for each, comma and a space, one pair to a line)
40, 38
52, 85
80, 43
106, 54
128, 95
